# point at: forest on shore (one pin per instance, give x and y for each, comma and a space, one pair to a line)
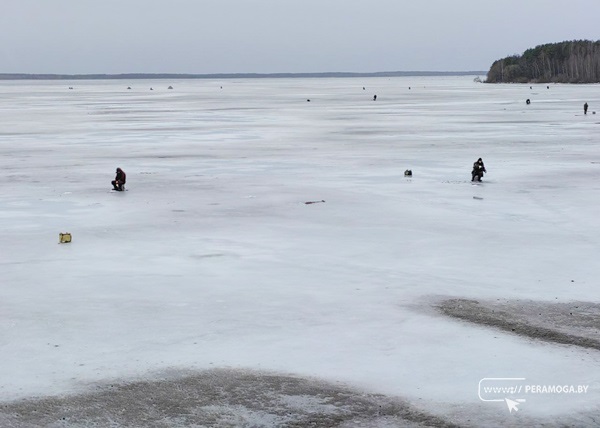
576, 61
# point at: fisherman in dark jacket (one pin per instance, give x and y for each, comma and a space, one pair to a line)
119, 180
478, 170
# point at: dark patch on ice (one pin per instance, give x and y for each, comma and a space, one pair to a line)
574, 323
206, 256
218, 398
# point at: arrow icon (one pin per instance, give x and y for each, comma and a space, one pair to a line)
512, 405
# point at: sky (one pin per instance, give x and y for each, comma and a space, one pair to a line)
279, 36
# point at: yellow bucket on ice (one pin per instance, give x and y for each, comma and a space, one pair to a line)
64, 238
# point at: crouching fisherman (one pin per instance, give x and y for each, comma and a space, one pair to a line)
119, 181
478, 170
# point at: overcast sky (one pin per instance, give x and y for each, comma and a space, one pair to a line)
270, 36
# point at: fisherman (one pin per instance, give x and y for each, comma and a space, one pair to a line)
478, 170
585, 107
119, 180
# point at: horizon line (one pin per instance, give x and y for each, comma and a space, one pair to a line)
61, 76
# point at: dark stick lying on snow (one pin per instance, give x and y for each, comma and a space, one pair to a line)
313, 202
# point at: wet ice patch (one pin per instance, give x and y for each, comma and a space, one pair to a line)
574, 323
223, 398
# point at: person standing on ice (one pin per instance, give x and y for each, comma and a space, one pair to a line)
478, 170
585, 107
119, 180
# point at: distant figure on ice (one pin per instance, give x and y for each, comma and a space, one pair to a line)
119, 180
374, 97
585, 107
478, 170
528, 101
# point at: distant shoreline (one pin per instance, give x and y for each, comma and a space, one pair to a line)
26, 76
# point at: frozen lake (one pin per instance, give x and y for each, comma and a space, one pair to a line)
212, 258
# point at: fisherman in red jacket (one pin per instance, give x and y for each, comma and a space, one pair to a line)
119, 180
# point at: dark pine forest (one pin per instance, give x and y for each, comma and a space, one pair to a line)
576, 61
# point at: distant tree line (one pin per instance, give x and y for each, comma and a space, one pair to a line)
576, 61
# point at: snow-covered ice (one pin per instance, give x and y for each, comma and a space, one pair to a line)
211, 258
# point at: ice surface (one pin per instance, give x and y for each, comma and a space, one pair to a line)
211, 258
